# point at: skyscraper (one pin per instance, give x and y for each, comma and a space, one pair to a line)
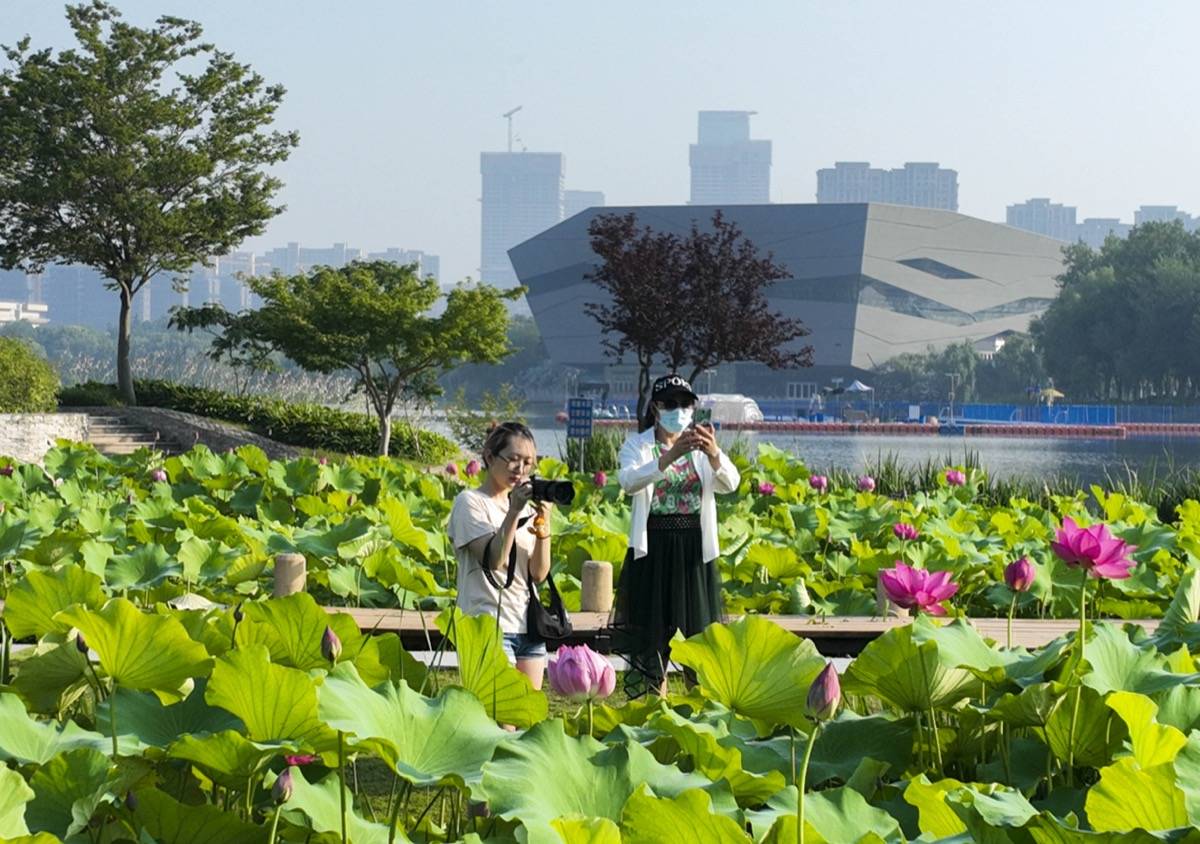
1094, 230
575, 201
728, 168
1165, 214
923, 184
1042, 216
522, 196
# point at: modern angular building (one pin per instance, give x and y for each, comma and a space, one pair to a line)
870, 281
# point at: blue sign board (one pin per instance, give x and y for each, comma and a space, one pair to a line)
579, 418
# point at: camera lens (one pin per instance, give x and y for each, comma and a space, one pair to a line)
556, 492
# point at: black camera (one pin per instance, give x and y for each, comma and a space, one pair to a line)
556, 492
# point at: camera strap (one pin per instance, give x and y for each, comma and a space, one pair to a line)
512, 559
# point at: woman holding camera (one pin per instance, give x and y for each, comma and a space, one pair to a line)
495, 524
671, 469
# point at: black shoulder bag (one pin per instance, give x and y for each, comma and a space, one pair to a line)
551, 623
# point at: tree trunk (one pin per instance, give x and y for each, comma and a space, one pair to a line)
385, 433
643, 398
124, 331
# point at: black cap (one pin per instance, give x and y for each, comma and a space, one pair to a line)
669, 386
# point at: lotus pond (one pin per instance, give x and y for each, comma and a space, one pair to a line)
125, 719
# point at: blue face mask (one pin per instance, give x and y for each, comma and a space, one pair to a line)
674, 421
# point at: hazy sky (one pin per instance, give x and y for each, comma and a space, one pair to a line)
1092, 103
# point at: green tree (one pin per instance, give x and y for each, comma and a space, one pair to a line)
1011, 371
110, 163
373, 319
28, 384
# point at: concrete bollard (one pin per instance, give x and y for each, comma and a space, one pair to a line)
596, 586
291, 574
884, 607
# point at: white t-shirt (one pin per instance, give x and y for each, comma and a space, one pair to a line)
476, 514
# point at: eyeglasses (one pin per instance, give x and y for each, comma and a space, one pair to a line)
672, 404
515, 463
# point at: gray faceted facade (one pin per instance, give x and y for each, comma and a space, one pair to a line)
870, 281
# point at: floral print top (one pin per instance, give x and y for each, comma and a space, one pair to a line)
679, 490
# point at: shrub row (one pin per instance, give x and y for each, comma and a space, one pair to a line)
28, 383
305, 425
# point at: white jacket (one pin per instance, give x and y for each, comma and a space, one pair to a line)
639, 472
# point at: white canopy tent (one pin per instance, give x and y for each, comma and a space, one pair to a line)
731, 407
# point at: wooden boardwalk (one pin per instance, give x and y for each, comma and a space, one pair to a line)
833, 635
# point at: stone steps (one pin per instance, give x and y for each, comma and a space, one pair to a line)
112, 434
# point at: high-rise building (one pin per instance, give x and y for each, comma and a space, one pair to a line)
294, 258
728, 168
522, 196
427, 264
922, 184
575, 201
1040, 215
1094, 230
1165, 214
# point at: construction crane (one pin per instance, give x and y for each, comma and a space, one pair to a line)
508, 115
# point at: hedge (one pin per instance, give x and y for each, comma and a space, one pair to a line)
28, 383
305, 425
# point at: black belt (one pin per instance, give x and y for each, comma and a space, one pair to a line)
673, 521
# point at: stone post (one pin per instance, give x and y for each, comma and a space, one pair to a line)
291, 574
596, 588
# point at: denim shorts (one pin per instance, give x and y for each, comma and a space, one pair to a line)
523, 646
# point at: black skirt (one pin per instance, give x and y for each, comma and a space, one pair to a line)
669, 589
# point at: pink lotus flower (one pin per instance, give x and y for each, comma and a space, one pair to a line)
819, 482
473, 468
1094, 549
766, 488
904, 530
452, 469
6, 471
158, 475
301, 759
913, 588
1019, 575
600, 479
580, 674
331, 645
866, 484
955, 477
824, 694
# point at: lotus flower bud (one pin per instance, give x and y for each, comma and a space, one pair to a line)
579, 673
331, 645
350, 500
129, 498
1, 508
452, 469
473, 468
866, 484
819, 482
6, 470
323, 461
131, 801
80, 645
766, 488
955, 478
824, 695
238, 614
905, 531
600, 479
1019, 575
281, 792
158, 475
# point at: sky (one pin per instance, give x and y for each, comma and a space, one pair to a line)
1088, 102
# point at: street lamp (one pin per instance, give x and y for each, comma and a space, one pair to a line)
709, 373
953, 376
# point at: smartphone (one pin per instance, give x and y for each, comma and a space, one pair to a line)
702, 416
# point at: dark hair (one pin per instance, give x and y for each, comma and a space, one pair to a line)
499, 436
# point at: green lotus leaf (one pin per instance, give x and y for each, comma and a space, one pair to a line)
909, 676
484, 670
295, 477
320, 803
400, 523
1153, 743
1031, 707
32, 603
68, 789
780, 561
576, 830
27, 741
227, 757
754, 667
835, 816
292, 628
1187, 777
17, 535
686, 818
717, 761
546, 774
1129, 797
276, 703
1118, 664
46, 671
141, 568
959, 645
935, 816
14, 795
139, 650
989, 810
1094, 740
144, 717
428, 742
170, 822
205, 560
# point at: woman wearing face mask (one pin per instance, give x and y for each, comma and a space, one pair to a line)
671, 470
486, 524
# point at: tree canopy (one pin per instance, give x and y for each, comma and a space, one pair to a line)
374, 319
140, 153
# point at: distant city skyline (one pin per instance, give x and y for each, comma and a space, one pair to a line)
1079, 101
